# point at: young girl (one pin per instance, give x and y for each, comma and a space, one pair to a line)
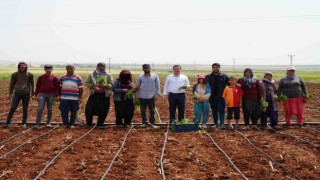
201, 94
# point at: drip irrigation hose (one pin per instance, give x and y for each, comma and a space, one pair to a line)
225, 154
31, 139
313, 130
61, 151
162, 153
296, 137
115, 157
12, 137
279, 164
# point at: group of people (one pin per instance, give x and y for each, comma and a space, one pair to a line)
215, 90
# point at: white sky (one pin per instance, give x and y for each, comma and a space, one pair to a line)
164, 31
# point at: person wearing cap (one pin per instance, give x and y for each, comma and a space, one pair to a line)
21, 87
174, 90
295, 89
218, 82
100, 85
71, 90
124, 107
269, 94
232, 95
201, 94
251, 99
47, 89
148, 91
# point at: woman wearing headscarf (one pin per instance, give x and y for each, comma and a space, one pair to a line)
269, 90
124, 107
295, 89
251, 99
100, 85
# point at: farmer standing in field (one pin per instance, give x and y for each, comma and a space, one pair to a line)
47, 89
70, 96
124, 107
100, 85
148, 91
218, 82
251, 99
201, 94
21, 85
269, 94
175, 90
295, 89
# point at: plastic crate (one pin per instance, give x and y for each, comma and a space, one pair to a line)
185, 127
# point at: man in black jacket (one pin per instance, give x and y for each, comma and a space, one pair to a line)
217, 81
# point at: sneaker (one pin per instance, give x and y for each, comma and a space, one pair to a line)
5, 125
255, 127
37, 126
230, 127
245, 128
143, 125
223, 127
101, 127
302, 126
286, 126
154, 126
48, 125
23, 125
71, 127
204, 126
214, 126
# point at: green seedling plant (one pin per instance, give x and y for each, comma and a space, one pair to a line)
264, 106
282, 98
101, 80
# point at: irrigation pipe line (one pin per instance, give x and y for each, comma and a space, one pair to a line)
61, 151
296, 137
279, 164
115, 157
29, 140
162, 153
225, 154
12, 137
313, 129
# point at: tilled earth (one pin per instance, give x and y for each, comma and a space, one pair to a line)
190, 155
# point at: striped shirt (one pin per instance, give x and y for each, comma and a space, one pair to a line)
70, 87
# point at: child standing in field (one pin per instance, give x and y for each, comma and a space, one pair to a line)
232, 95
201, 95
269, 94
47, 90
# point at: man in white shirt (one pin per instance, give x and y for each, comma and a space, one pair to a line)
174, 89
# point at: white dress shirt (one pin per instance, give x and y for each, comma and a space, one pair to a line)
173, 83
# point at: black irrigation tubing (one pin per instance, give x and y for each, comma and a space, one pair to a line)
162, 153
115, 157
269, 157
60, 152
225, 154
313, 129
12, 137
296, 137
31, 139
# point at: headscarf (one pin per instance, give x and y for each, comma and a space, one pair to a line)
270, 85
125, 77
251, 79
97, 73
23, 63
294, 74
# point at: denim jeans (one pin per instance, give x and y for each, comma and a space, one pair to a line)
67, 106
143, 107
218, 109
25, 97
42, 100
201, 109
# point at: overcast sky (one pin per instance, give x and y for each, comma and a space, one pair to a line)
164, 31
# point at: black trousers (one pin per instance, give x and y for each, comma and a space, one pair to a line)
124, 110
98, 104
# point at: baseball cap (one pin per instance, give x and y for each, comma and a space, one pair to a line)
145, 66
201, 76
291, 68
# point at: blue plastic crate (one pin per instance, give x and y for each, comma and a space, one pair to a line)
185, 127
